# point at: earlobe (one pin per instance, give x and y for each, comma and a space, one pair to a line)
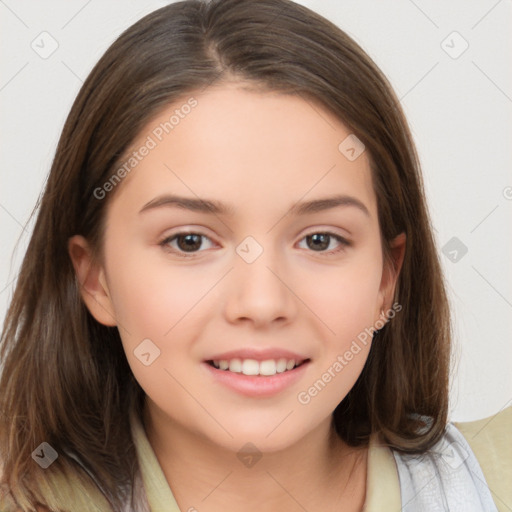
92, 281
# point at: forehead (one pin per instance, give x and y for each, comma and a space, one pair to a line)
235, 144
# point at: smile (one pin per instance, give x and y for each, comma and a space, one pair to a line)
265, 368
256, 379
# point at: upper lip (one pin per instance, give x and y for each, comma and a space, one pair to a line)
258, 354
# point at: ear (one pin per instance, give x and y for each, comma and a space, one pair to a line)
93, 284
390, 273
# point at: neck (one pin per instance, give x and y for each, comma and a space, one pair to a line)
318, 468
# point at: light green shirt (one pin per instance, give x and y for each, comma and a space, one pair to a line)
489, 438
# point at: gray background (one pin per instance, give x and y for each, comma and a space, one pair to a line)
458, 102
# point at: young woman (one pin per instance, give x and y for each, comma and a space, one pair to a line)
232, 299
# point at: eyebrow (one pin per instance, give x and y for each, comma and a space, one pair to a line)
219, 208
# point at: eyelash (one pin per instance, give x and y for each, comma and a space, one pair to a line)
165, 243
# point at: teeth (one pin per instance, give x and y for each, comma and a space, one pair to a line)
235, 365
250, 367
281, 365
268, 367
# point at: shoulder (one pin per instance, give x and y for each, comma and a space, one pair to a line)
490, 440
448, 476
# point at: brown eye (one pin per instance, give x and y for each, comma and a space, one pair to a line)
320, 242
181, 243
190, 242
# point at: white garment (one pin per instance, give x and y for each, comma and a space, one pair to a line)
445, 478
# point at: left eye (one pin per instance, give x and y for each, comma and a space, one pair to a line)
320, 242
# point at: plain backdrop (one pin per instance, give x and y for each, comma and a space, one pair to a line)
449, 63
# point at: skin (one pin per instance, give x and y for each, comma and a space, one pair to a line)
260, 153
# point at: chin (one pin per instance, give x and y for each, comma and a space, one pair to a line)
264, 439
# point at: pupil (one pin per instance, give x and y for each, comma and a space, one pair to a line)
320, 240
192, 242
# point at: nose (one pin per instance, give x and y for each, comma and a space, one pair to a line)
260, 292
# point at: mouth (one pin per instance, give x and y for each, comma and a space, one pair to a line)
255, 368
254, 378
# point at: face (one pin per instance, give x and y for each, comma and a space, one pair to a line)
243, 239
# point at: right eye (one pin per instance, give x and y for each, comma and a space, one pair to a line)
184, 242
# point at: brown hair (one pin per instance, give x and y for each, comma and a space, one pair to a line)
65, 377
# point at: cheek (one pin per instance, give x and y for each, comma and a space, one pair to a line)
150, 297
154, 305
346, 298
166, 304
346, 308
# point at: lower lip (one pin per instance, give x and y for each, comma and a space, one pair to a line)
257, 385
